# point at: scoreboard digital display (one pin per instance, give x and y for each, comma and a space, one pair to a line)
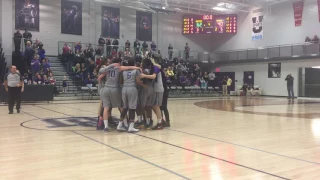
210, 24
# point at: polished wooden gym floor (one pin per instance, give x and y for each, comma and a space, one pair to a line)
219, 139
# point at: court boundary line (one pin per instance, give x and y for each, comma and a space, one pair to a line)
213, 157
131, 155
239, 145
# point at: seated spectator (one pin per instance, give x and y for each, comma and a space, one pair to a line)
91, 67
46, 66
46, 80
79, 57
114, 53
127, 45
26, 79
38, 80
88, 53
193, 79
89, 81
35, 65
77, 69
41, 53
315, 39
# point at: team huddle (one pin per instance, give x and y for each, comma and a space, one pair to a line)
133, 88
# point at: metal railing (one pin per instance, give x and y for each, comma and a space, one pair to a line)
270, 52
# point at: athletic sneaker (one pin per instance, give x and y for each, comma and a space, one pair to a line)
132, 129
121, 127
140, 125
166, 124
10, 112
100, 125
149, 126
18, 110
106, 130
158, 127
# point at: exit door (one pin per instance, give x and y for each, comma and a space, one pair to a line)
248, 77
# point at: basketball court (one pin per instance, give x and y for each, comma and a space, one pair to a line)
217, 138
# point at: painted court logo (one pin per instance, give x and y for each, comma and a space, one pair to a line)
70, 122
257, 28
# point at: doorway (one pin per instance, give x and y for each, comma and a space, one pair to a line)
248, 77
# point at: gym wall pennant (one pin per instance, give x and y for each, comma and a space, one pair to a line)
297, 12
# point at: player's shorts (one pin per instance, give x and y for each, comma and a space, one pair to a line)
129, 97
158, 97
111, 97
146, 97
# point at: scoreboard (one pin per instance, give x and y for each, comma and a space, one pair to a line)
209, 24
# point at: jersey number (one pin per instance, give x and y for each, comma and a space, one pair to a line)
112, 73
129, 75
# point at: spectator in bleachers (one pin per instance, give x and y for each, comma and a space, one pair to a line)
41, 53
52, 81
127, 44
211, 77
101, 41
46, 66
88, 53
193, 79
145, 46
187, 51
115, 44
136, 46
29, 53
108, 44
27, 37
37, 44
98, 60
196, 69
46, 80
26, 79
203, 84
38, 80
78, 47
89, 80
17, 37
99, 51
79, 57
170, 51
315, 39
114, 53
91, 67
127, 53
35, 65
64, 84
206, 78
153, 46
66, 52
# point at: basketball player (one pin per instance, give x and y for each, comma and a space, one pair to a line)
111, 96
156, 91
129, 96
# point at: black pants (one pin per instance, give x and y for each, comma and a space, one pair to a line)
14, 94
164, 105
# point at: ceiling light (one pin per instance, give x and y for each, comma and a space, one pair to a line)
177, 9
163, 7
221, 4
219, 8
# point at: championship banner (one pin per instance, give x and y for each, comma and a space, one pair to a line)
298, 11
257, 28
110, 22
144, 26
319, 9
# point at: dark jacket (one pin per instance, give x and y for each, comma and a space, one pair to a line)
289, 80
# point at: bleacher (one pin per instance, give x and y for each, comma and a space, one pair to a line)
3, 65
